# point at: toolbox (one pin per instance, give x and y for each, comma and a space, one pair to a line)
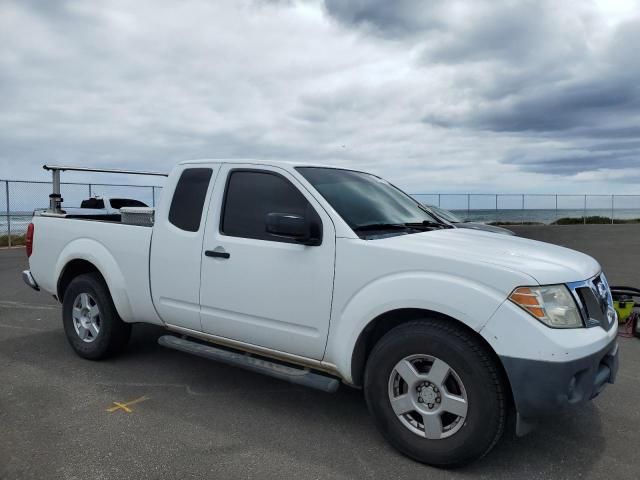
626, 301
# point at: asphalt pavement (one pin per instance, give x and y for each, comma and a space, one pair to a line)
157, 413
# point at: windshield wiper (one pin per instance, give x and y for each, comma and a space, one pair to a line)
427, 224
380, 226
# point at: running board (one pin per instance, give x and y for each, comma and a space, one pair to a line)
299, 376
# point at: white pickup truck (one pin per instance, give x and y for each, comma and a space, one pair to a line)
103, 206
323, 275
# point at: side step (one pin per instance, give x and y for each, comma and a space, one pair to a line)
299, 376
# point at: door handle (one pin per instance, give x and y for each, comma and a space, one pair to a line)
217, 254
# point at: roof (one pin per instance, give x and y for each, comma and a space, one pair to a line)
256, 161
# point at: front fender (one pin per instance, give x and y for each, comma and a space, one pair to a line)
468, 302
98, 255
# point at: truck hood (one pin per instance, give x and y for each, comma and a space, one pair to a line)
545, 263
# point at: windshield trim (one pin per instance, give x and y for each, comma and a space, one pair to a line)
446, 215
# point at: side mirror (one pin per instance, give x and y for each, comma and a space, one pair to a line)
292, 226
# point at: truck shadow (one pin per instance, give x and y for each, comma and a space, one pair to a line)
307, 429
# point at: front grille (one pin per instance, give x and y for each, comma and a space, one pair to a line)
594, 299
592, 305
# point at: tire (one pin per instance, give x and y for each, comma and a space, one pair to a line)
91, 323
436, 349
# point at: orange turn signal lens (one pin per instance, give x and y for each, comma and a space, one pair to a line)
526, 298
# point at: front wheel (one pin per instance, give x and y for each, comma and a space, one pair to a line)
435, 393
91, 323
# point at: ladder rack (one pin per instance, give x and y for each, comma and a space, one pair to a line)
55, 199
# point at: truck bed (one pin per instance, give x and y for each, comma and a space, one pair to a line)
119, 250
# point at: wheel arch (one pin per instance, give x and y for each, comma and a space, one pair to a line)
385, 322
86, 256
71, 270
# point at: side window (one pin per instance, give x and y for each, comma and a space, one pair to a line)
92, 203
118, 203
251, 195
188, 199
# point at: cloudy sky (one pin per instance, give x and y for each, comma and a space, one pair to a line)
437, 96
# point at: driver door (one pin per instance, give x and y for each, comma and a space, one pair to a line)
258, 288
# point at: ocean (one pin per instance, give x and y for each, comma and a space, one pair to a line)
19, 224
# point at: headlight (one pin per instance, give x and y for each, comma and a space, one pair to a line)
552, 305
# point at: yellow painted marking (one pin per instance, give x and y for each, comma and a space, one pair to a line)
124, 406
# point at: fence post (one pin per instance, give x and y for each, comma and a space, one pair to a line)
556, 207
153, 197
523, 209
6, 185
613, 199
497, 219
90, 191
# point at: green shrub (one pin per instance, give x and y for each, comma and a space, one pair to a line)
16, 240
507, 224
595, 220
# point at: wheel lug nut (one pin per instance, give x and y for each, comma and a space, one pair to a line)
419, 400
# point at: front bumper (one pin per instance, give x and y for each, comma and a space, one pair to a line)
29, 280
542, 388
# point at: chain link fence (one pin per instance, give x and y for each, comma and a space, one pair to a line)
19, 198
506, 209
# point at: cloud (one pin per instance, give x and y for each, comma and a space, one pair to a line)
462, 95
401, 18
595, 90
576, 162
526, 69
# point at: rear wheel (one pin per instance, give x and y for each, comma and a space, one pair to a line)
91, 323
435, 393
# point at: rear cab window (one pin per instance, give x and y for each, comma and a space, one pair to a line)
92, 203
188, 198
119, 203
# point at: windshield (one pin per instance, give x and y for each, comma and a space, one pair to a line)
446, 214
364, 200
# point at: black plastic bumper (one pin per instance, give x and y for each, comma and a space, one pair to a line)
544, 388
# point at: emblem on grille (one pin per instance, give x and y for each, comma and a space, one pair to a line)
602, 290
